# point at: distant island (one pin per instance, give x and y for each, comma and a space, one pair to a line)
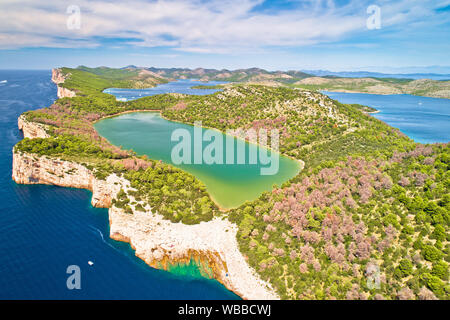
421, 87
369, 84
366, 218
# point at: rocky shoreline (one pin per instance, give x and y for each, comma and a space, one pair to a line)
157, 241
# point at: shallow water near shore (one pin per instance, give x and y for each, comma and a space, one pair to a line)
44, 229
230, 185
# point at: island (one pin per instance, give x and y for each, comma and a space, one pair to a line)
373, 85
381, 84
366, 218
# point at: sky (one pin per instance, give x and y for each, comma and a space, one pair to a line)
338, 35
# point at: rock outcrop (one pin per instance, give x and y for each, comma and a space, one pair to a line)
32, 169
31, 129
213, 244
157, 241
58, 78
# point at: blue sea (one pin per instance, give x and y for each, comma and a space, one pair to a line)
423, 119
44, 229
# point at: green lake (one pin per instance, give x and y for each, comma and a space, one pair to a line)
229, 185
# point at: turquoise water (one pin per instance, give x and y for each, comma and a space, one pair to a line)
44, 229
179, 86
423, 119
230, 185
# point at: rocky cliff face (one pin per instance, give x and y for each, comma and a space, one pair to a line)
58, 78
31, 129
65, 93
157, 241
212, 244
31, 169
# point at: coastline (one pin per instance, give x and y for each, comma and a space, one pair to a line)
159, 242
382, 93
355, 91
158, 251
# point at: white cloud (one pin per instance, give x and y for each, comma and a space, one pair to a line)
193, 25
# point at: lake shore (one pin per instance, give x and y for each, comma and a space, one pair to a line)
155, 240
300, 164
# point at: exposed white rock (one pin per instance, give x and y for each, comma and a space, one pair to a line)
156, 240
64, 92
31, 129
33, 169
58, 78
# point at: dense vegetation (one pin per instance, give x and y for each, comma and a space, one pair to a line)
240, 75
370, 204
89, 81
173, 193
69, 121
305, 120
324, 234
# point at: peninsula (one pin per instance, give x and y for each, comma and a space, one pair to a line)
370, 203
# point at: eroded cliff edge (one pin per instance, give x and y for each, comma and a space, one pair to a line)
59, 78
157, 241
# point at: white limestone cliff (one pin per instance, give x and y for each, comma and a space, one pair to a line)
58, 78
157, 241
